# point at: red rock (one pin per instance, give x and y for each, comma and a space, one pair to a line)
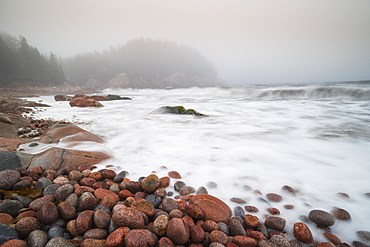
272, 197
145, 207
218, 236
325, 244
31, 174
89, 203
251, 220
48, 213
273, 233
101, 218
273, 211
87, 189
139, 238
341, 214
90, 242
140, 194
182, 206
164, 182
96, 233
72, 229
14, 243
128, 217
66, 211
26, 225
87, 182
229, 244
101, 193
288, 206
117, 238
242, 241
174, 174
36, 204
84, 221
178, 231
194, 211
212, 207
302, 233
96, 176
251, 209
80, 102
108, 201
289, 190
6, 218
108, 174
197, 234
188, 221
209, 226
332, 238
99, 98
134, 187
124, 194
257, 235
165, 242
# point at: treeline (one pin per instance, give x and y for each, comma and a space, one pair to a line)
140, 59
23, 65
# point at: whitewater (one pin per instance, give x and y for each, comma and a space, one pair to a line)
314, 138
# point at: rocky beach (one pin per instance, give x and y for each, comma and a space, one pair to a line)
62, 197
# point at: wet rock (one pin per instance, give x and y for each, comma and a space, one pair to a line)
244, 241
201, 190
73, 200
272, 197
359, 244
212, 207
332, 238
72, 228
238, 200
48, 213
302, 233
280, 241
66, 210
197, 234
37, 238
218, 237
59, 242
89, 203
275, 223
194, 211
139, 238
164, 182
288, 190
251, 220
117, 237
321, 217
26, 225
251, 209
239, 211
11, 207
150, 183
295, 243
101, 218
178, 185
128, 217
176, 214
186, 190
257, 235
273, 211
120, 176
84, 221
90, 242
236, 228
343, 196
101, 193
134, 187
124, 194
364, 235
154, 200
223, 228
178, 231
174, 174
341, 214
36, 204
7, 233
209, 226
5, 218
8, 179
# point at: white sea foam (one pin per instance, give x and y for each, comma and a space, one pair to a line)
313, 138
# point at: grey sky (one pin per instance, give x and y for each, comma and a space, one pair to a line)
259, 41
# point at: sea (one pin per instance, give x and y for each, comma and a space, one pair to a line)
254, 140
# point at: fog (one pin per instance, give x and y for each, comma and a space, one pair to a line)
264, 41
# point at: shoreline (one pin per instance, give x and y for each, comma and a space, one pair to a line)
245, 228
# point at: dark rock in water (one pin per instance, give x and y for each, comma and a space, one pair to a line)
11, 207
154, 200
9, 161
117, 97
201, 190
120, 176
22, 184
238, 200
321, 217
275, 223
364, 235
289, 190
62, 98
180, 110
239, 211
179, 185
223, 228
7, 233
359, 244
341, 214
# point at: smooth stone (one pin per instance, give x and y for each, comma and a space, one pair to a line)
24, 200
117, 237
8, 179
341, 214
223, 227
37, 238
150, 183
50, 189
11, 207
48, 213
22, 184
178, 231
140, 237
14, 243
272, 197
9, 161
194, 211
63, 192
244, 241
84, 221
55, 231
239, 211
364, 235
59, 242
101, 218
72, 199
275, 223
251, 220
26, 225
91, 242
302, 233
280, 241
186, 190
128, 217
201, 190
236, 228
7, 233
218, 237
120, 176
42, 183
66, 210
321, 217
102, 207
96, 233
169, 204
154, 200
178, 185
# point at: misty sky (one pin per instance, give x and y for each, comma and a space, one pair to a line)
249, 41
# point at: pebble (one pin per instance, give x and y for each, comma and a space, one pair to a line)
42, 183
321, 217
108, 174
90, 242
101, 218
186, 190
26, 225
66, 210
332, 238
55, 231
302, 233
140, 237
50, 189
73, 200
14, 243
239, 211
5, 218
244, 241
272, 197
150, 183
174, 174
364, 235
120, 176
11, 207
128, 217
22, 184
75, 176
134, 187
169, 204
8, 179
209, 226
251, 220
275, 223
288, 190
160, 225
84, 221
178, 231
145, 207
280, 241
251, 209
218, 237
48, 213
37, 238
154, 200
223, 227
178, 185
59, 242
236, 228
7, 233
117, 237
238, 200
96, 233
61, 180
63, 192
341, 214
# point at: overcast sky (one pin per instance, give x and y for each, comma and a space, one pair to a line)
249, 41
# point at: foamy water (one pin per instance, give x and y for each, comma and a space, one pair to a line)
315, 139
